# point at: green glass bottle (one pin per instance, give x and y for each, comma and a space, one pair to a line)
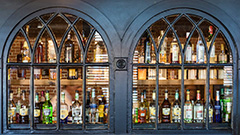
47, 110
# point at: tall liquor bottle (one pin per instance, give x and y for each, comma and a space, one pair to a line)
76, 110
142, 110
166, 109
47, 110
176, 109
38, 59
153, 55
37, 108
69, 49
210, 109
64, 109
217, 109
152, 108
188, 107
200, 51
24, 118
21, 72
11, 109
163, 52
25, 58
101, 108
18, 105
93, 108
147, 46
198, 109
221, 100
188, 53
227, 106
222, 57
87, 118
174, 56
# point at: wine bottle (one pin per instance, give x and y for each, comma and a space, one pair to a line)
188, 107
217, 109
176, 109
76, 110
11, 109
166, 109
198, 109
24, 118
47, 110
37, 108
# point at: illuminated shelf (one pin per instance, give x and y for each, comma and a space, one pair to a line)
178, 82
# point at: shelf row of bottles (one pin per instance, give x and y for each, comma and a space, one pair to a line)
45, 111
194, 111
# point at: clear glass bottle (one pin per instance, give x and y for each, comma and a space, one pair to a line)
188, 109
37, 108
153, 55
222, 57
163, 52
24, 118
198, 109
147, 46
76, 110
93, 108
11, 109
25, 58
174, 50
98, 53
47, 110
200, 51
166, 109
141, 55
152, 108
188, 52
64, 109
176, 109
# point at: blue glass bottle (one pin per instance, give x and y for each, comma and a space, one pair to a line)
217, 109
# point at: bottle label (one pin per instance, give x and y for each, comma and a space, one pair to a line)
63, 114
210, 112
189, 53
101, 111
36, 112
174, 53
166, 111
177, 111
152, 112
217, 109
23, 111
188, 112
198, 112
12, 111
76, 111
46, 112
142, 115
229, 107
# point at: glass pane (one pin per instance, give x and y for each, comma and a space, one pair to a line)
32, 30
71, 52
58, 26
46, 17
195, 89
171, 18
19, 51
208, 29
45, 50
195, 18
169, 98
182, 27
221, 96
97, 51
45, 97
144, 98
71, 98
195, 50
157, 30
145, 50
84, 29
19, 95
70, 17
97, 97
220, 51
170, 51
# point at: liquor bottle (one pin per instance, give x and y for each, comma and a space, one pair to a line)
47, 110
18, 105
166, 109
87, 117
210, 109
153, 55
217, 109
11, 109
24, 118
93, 108
38, 59
194, 55
97, 53
142, 110
227, 106
200, 51
101, 108
64, 109
188, 53
221, 100
72, 73
163, 52
69, 49
141, 54
174, 56
76, 110
20, 55
37, 108
176, 109
147, 46
188, 108
198, 109
42, 101
25, 58
152, 108
222, 57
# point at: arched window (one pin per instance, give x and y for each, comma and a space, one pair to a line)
182, 76
58, 75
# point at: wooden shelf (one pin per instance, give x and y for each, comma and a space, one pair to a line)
178, 82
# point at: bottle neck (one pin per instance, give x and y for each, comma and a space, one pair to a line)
63, 98
217, 95
154, 96
47, 97
11, 96
176, 96
188, 96
19, 93
166, 96
142, 97
23, 96
76, 96
198, 96
36, 99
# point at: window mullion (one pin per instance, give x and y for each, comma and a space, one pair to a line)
157, 95
84, 97
58, 96
182, 96
32, 98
